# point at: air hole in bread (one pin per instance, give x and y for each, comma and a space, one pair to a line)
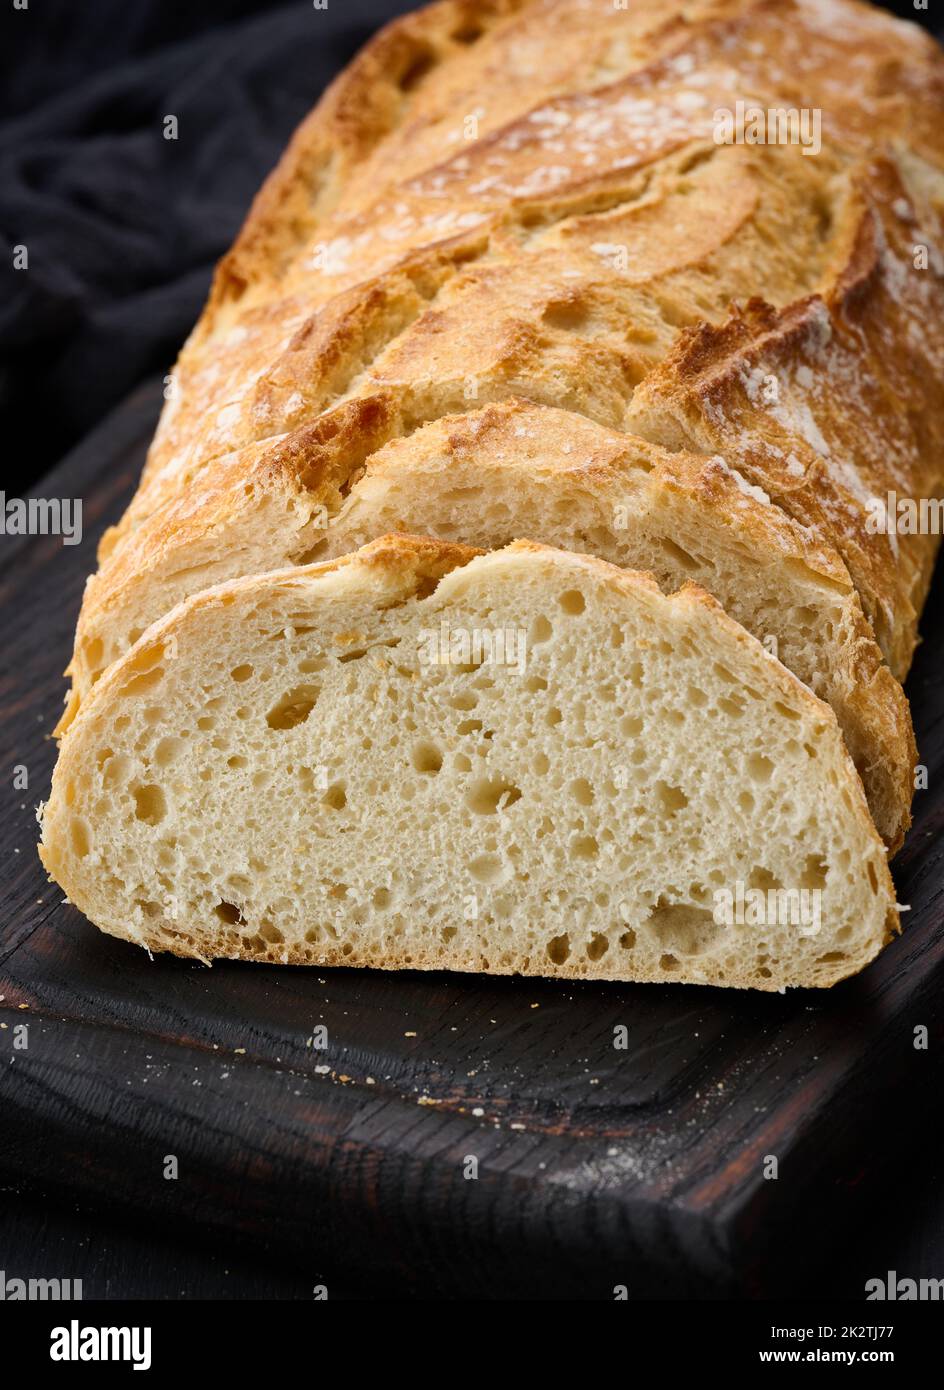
669, 962
814, 872
759, 768
93, 652
762, 878
488, 868
584, 847
293, 708
541, 631
79, 835
733, 705
581, 791
150, 803
335, 797
597, 946
426, 757
230, 914
489, 796
167, 751
116, 771
572, 602
670, 799
683, 929
558, 949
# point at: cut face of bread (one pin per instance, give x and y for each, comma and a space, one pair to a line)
524, 761
521, 469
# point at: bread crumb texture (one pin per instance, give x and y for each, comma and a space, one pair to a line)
526, 761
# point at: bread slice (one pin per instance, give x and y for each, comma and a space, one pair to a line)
523, 761
517, 469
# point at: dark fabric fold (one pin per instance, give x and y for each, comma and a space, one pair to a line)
122, 226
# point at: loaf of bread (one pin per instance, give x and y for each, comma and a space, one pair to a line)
521, 275
529, 761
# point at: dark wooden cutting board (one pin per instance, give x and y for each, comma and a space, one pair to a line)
596, 1167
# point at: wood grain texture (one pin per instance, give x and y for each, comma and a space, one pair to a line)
596, 1167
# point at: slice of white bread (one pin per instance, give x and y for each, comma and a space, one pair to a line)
321, 765
517, 468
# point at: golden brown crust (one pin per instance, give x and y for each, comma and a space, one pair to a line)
603, 136
831, 402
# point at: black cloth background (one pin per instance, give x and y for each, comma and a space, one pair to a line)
122, 226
